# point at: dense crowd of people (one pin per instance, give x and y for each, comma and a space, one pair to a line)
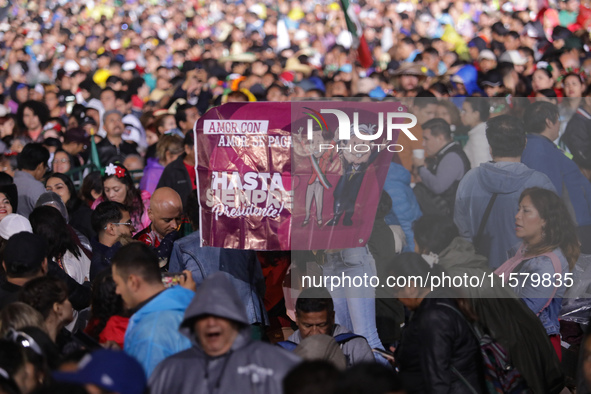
104, 287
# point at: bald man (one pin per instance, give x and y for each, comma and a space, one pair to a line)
165, 213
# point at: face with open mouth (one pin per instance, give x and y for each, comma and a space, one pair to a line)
215, 334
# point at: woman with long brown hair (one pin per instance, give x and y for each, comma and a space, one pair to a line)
538, 272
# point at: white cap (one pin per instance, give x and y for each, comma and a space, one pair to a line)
13, 224
513, 57
128, 66
71, 66
487, 54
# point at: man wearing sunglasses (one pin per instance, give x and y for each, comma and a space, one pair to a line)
112, 223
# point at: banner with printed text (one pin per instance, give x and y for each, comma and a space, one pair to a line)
294, 176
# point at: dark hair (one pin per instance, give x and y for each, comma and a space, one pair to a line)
189, 139
440, 88
133, 198
438, 127
282, 89
31, 156
137, 258
528, 50
550, 93
49, 223
424, 98
123, 95
311, 377
134, 85
513, 33
369, 378
536, 115
12, 357
480, 105
41, 293
412, 265
559, 230
5, 179
545, 70
181, 113
431, 51
105, 213
91, 182
434, 233
108, 89
39, 108
506, 136
314, 299
105, 302
192, 205
73, 202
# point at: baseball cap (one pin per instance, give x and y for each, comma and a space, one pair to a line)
14, 223
24, 252
492, 78
111, 370
514, 57
487, 54
477, 42
499, 29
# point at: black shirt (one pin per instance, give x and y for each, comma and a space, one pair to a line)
9, 292
109, 153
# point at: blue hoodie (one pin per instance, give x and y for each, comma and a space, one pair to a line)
469, 75
508, 180
152, 333
542, 155
405, 208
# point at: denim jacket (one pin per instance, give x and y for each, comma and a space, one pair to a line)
241, 266
536, 295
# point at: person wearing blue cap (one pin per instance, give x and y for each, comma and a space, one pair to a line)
110, 370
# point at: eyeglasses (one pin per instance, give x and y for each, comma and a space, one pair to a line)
130, 224
60, 161
24, 340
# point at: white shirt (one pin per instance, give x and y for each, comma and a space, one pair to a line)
477, 148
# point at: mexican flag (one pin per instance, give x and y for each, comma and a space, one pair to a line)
359, 43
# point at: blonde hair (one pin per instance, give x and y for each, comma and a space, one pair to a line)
19, 315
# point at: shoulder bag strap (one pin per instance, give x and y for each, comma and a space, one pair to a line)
485, 217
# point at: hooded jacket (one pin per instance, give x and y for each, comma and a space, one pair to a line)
405, 208
248, 367
508, 180
152, 334
469, 77
542, 155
